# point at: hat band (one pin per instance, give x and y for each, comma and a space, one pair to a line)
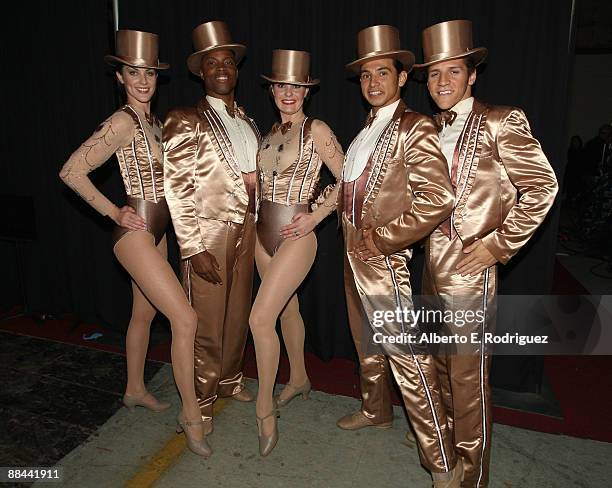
201, 48
434, 58
138, 61
291, 79
378, 53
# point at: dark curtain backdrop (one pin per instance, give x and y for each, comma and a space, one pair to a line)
60, 90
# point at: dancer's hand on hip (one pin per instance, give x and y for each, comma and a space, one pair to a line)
301, 224
478, 259
366, 249
205, 266
127, 217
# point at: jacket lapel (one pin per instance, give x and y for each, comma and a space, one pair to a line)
219, 138
380, 158
469, 152
254, 127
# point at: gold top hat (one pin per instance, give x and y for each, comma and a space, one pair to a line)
380, 41
291, 67
209, 37
450, 40
136, 48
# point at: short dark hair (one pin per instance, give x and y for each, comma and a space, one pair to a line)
470, 64
399, 67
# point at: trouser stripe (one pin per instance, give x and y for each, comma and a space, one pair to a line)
420, 371
483, 411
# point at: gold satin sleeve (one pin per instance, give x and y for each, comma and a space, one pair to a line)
429, 185
180, 161
114, 133
531, 174
330, 151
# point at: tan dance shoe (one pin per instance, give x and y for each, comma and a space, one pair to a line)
131, 402
303, 390
357, 420
267, 442
244, 395
201, 447
456, 477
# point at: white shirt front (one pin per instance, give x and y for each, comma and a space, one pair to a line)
365, 142
450, 133
241, 136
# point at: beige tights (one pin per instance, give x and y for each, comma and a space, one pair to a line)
156, 287
280, 277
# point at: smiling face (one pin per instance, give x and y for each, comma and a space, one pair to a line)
289, 98
219, 72
139, 83
450, 82
381, 83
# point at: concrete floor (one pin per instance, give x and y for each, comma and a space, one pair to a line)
141, 449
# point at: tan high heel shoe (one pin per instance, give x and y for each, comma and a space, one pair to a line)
131, 402
201, 448
303, 390
267, 443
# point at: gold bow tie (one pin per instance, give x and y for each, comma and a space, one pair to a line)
284, 127
444, 118
232, 112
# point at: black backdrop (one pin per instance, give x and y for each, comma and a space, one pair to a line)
60, 90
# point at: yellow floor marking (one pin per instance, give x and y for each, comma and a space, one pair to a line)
148, 474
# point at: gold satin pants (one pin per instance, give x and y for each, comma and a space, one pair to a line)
374, 370
464, 375
223, 310
375, 282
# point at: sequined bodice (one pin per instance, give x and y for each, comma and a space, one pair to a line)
140, 162
289, 169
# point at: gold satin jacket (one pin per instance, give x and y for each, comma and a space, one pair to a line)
408, 192
202, 178
505, 184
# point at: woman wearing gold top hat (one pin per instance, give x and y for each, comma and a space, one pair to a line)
289, 165
133, 134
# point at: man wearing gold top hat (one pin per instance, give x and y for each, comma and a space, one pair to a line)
395, 191
504, 187
210, 162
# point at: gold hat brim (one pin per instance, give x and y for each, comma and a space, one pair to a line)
478, 54
195, 59
403, 56
117, 60
289, 81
